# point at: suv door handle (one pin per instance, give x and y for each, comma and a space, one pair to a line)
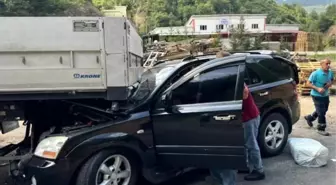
224, 118
264, 93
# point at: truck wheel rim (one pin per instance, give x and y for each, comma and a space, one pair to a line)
115, 170
274, 134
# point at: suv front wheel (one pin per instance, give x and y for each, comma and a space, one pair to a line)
273, 135
109, 167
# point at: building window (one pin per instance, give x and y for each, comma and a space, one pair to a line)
203, 27
255, 26
220, 27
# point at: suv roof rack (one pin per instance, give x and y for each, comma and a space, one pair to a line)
257, 52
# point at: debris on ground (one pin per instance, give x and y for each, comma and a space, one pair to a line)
308, 152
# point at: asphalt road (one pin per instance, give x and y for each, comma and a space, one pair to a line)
280, 170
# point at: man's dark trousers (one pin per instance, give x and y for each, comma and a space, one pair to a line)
321, 108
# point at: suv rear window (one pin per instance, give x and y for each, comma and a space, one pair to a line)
251, 77
279, 68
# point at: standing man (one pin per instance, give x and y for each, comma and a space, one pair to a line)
251, 122
320, 81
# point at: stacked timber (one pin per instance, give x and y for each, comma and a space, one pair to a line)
301, 43
306, 68
309, 41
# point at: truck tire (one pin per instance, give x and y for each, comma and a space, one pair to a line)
273, 135
109, 166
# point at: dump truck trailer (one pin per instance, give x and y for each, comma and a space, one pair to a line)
68, 57
59, 73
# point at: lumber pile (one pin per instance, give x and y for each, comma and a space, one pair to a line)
309, 41
306, 68
301, 41
182, 49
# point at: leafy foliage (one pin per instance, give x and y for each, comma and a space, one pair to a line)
148, 14
239, 40
47, 8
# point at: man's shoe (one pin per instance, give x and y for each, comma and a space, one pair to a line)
255, 176
323, 133
308, 120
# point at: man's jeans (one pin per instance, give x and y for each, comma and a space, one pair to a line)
253, 157
321, 109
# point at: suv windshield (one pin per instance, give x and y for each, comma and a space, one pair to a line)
151, 79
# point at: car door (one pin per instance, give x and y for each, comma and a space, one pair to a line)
203, 128
260, 92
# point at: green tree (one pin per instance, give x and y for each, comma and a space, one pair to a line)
239, 40
257, 44
325, 22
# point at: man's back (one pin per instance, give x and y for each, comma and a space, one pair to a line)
250, 109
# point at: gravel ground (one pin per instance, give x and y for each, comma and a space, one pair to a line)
280, 170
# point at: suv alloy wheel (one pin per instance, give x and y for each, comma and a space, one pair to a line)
273, 135
109, 167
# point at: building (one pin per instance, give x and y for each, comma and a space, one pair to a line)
208, 25
211, 24
214, 24
117, 11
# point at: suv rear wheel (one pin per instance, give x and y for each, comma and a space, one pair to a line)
273, 135
109, 167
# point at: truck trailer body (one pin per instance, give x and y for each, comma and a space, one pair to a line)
95, 57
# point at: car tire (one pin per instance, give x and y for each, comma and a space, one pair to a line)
267, 132
94, 171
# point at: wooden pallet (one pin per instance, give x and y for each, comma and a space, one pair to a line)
304, 91
306, 68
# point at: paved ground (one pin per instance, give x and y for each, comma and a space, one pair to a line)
280, 170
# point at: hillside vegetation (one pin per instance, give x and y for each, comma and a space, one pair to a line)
148, 14
306, 2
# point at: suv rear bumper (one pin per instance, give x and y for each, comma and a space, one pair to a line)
296, 112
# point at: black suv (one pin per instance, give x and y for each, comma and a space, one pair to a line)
179, 116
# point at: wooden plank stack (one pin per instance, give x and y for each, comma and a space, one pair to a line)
306, 69
301, 41
309, 41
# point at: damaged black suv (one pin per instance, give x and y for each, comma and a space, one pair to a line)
180, 115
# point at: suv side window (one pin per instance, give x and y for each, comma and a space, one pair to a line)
213, 85
251, 77
278, 68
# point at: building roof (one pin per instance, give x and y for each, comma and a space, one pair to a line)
117, 11
177, 30
222, 15
282, 28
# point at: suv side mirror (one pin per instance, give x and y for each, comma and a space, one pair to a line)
166, 100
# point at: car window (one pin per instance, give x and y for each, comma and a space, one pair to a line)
279, 68
214, 85
251, 77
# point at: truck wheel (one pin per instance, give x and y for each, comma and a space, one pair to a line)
273, 135
109, 167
